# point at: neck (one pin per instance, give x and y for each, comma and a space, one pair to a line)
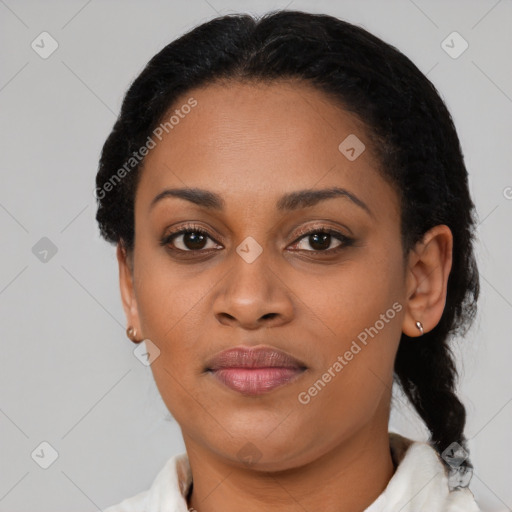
348, 477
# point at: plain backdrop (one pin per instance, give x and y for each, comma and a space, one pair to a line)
68, 375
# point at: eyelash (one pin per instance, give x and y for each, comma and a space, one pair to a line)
345, 240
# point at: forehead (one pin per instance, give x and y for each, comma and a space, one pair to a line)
249, 141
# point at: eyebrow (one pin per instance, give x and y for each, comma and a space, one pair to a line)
288, 202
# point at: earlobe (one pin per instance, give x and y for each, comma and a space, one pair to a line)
127, 290
428, 270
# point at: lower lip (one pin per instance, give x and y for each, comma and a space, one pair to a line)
256, 381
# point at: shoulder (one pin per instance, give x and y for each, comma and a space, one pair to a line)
168, 489
421, 481
136, 503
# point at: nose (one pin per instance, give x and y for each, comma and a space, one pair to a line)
253, 296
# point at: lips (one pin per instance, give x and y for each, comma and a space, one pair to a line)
253, 357
255, 370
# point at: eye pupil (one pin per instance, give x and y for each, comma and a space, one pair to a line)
323, 236
195, 239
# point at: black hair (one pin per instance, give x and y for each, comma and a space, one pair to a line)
406, 120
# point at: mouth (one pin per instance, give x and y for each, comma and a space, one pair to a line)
256, 381
256, 370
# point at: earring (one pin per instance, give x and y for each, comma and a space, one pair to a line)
419, 325
131, 332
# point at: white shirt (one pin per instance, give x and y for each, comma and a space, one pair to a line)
419, 484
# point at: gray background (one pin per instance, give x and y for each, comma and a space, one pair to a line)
68, 375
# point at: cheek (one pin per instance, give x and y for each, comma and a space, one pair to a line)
349, 298
169, 296
360, 308
170, 305
354, 381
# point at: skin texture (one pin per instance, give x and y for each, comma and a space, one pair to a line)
252, 143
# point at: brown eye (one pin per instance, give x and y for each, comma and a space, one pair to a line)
320, 240
191, 239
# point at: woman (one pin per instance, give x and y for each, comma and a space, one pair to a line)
294, 233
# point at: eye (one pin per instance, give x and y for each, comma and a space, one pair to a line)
320, 239
188, 239
194, 239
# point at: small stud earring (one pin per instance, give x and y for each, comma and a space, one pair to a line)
419, 325
131, 332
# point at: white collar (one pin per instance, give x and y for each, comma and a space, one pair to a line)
420, 483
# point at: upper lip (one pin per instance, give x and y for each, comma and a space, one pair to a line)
260, 356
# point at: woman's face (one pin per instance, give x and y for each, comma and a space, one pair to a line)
333, 304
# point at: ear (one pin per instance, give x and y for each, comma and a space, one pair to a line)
127, 289
429, 265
